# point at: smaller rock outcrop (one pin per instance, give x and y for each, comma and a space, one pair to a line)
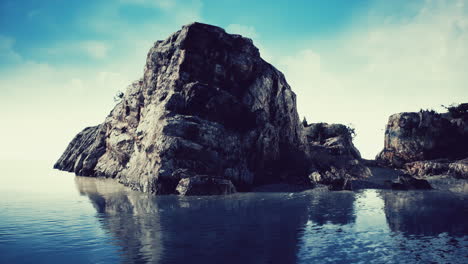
457, 169
336, 159
428, 143
425, 135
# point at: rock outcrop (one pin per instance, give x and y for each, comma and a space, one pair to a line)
208, 114
336, 160
427, 143
457, 169
425, 135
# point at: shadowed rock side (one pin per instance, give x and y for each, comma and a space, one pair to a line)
208, 106
428, 143
173, 229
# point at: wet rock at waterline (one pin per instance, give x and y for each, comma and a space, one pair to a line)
203, 185
209, 116
407, 182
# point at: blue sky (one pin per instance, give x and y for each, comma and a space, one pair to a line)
354, 62
38, 26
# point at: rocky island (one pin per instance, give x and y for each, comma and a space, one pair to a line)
428, 143
210, 116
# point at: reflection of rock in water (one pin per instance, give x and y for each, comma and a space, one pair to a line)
333, 208
241, 228
132, 218
426, 212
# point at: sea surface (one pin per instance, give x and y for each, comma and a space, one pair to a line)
48, 216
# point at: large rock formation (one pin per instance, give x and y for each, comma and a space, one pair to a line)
209, 107
427, 142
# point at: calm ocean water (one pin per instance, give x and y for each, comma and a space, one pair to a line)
48, 216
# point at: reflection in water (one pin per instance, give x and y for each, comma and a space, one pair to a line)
241, 228
46, 221
426, 212
339, 210
129, 216
377, 226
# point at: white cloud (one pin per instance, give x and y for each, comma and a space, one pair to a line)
95, 49
379, 68
91, 48
7, 53
245, 31
163, 4
43, 107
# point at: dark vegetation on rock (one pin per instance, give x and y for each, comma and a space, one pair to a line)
210, 116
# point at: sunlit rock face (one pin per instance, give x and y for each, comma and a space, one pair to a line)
208, 106
425, 135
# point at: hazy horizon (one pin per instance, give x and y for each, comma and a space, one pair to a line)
349, 62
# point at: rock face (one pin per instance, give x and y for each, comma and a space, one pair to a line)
425, 135
335, 158
208, 114
457, 169
208, 104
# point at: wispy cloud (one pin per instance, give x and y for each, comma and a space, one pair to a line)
382, 65
95, 49
42, 96
164, 4
246, 31
7, 53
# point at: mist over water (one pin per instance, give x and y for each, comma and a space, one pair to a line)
49, 216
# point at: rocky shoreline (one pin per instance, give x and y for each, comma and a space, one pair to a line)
210, 116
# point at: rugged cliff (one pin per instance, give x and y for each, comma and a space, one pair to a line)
428, 143
209, 116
